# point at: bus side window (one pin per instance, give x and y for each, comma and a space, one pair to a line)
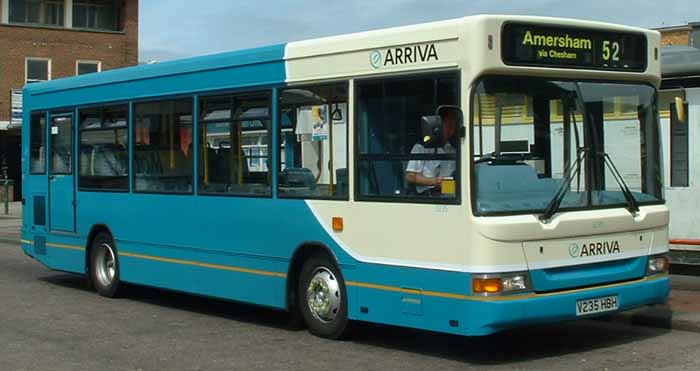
234, 144
161, 161
313, 141
104, 148
37, 146
392, 153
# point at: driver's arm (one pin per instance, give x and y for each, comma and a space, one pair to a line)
419, 179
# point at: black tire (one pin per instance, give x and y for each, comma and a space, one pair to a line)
103, 249
331, 328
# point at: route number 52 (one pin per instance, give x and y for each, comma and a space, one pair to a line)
611, 50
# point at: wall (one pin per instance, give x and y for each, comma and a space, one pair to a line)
64, 47
675, 36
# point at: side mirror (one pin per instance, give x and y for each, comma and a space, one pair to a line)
431, 131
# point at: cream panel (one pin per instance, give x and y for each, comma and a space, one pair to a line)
450, 237
587, 250
488, 61
425, 236
443, 53
580, 223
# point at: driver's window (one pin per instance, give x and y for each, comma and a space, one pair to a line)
394, 160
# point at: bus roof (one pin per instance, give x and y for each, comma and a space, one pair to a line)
271, 64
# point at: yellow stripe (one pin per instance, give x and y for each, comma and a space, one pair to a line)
26, 242
408, 291
496, 298
66, 247
204, 265
369, 285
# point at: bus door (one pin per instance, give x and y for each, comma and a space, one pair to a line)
61, 173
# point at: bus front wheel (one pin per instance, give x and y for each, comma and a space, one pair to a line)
104, 265
322, 297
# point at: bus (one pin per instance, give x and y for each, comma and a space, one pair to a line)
679, 109
465, 176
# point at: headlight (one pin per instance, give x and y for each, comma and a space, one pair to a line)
501, 283
658, 264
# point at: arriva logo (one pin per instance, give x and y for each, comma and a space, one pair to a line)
375, 59
403, 55
594, 249
574, 250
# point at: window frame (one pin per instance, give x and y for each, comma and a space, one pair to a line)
128, 146
348, 83
42, 16
461, 140
93, 62
26, 69
470, 131
132, 137
92, 4
268, 92
46, 142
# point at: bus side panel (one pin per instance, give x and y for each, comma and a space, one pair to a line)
230, 247
66, 253
413, 297
217, 274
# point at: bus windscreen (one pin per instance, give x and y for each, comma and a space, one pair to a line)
527, 44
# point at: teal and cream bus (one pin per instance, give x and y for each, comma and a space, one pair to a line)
464, 176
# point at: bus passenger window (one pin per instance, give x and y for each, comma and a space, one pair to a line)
37, 145
104, 148
313, 141
395, 162
234, 140
163, 159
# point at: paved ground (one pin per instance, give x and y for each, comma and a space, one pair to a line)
51, 321
11, 223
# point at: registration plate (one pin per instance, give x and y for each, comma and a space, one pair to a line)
597, 305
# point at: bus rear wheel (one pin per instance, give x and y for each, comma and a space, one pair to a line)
104, 265
322, 297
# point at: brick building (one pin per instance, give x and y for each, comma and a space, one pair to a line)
685, 35
50, 39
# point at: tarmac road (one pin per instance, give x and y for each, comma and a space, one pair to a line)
51, 321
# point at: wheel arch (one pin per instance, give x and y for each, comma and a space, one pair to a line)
304, 251
97, 228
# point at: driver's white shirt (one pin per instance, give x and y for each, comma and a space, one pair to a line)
432, 168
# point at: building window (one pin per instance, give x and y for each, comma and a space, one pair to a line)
39, 12
95, 14
85, 67
37, 70
104, 148
395, 161
37, 143
234, 149
313, 141
163, 146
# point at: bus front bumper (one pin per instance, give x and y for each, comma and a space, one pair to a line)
500, 313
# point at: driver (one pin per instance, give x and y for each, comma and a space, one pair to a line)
427, 175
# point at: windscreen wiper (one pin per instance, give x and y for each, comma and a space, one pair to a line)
632, 204
564, 187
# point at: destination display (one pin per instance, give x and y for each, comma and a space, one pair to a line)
548, 46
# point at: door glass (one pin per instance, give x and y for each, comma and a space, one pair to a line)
61, 145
